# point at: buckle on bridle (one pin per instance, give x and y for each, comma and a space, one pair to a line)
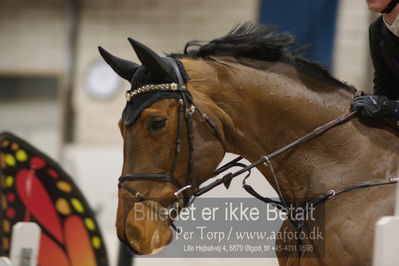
332, 192
138, 196
190, 111
181, 190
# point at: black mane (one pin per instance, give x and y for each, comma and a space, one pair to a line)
261, 42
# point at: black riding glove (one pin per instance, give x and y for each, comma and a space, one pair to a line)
375, 106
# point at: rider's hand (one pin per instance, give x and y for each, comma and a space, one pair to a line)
375, 106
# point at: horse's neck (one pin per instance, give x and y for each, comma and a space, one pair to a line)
270, 109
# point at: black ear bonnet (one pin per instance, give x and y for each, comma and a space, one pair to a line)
154, 70
142, 77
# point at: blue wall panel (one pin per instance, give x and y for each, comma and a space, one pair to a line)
311, 21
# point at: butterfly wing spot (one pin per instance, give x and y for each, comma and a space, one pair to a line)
21, 155
77, 205
10, 213
53, 173
9, 160
5, 143
37, 163
64, 186
9, 181
14, 146
90, 224
62, 206
96, 242
6, 226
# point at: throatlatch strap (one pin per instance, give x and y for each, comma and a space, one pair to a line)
266, 200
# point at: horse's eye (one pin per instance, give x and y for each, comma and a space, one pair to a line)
156, 124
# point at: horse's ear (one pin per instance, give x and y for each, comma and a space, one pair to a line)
152, 61
122, 67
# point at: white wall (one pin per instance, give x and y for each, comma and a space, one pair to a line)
351, 53
33, 42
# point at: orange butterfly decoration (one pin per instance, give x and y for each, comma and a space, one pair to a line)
34, 188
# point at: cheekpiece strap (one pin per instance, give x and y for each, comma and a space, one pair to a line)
390, 7
176, 69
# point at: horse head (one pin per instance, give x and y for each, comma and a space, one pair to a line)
170, 146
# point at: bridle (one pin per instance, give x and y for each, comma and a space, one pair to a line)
186, 109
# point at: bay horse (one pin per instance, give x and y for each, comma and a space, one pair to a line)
249, 93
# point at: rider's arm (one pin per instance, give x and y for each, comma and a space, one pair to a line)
384, 81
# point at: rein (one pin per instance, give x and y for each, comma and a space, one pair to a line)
281, 204
227, 178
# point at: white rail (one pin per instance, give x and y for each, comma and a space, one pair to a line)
25, 242
386, 239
